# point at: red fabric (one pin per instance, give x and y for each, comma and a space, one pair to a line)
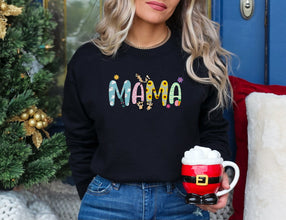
242, 89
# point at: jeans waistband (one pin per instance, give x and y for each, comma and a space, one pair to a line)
147, 185
143, 185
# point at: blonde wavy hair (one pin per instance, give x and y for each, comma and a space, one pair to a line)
200, 38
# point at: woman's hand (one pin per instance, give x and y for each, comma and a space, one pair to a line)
222, 200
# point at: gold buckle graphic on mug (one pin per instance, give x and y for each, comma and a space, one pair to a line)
202, 180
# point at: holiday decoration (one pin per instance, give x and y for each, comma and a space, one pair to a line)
32, 67
6, 10
46, 47
34, 120
32, 151
202, 171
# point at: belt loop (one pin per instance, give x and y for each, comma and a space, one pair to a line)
169, 187
115, 186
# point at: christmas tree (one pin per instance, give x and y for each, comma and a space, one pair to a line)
28, 154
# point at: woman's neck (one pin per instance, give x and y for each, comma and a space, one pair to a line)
145, 35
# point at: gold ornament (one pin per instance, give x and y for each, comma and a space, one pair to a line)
45, 124
39, 125
43, 116
31, 111
30, 130
37, 116
3, 6
37, 139
24, 116
46, 133
3, 23
6, 10
34, 120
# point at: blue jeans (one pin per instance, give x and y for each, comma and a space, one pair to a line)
137, 201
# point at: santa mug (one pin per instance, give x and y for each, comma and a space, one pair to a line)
202, 171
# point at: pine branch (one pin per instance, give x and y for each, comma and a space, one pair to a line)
56, 148
40, 170
52, 147
42, 81
12, 158
13, 133
20, 102
3, 109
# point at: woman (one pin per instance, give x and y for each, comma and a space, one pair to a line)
152, 85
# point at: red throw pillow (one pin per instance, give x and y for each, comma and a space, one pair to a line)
241, 89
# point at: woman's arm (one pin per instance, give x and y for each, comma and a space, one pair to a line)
80, 133
222, 202
214, 134
213, 126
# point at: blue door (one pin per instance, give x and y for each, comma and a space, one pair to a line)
259, 42
277, 42
244, 38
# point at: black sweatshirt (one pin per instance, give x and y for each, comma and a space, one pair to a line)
131, 117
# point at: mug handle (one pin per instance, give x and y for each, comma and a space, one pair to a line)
235, 179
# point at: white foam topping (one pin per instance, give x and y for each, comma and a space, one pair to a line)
201, 155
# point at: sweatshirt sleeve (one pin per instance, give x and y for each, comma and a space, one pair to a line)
79, 131
213, 126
